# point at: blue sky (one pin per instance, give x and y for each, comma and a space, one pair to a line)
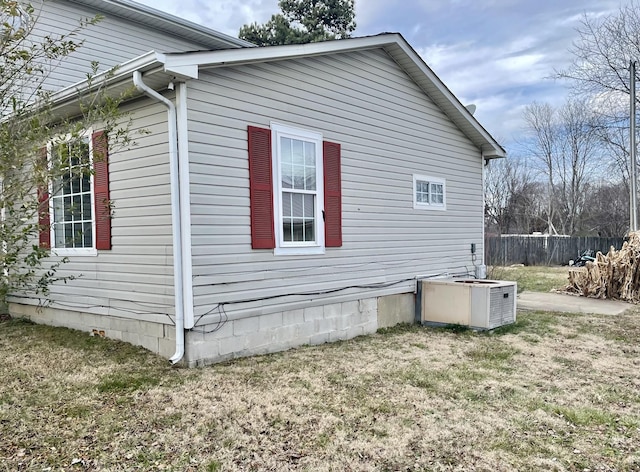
497, 54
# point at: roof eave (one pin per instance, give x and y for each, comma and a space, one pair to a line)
225, 58
444, 98
393, 43
489, 154
115, 81
186, 66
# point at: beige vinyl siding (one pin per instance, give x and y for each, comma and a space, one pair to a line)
388, 130
135, 278
110, 42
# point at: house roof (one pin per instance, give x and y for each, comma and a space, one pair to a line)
138, 13
159, 69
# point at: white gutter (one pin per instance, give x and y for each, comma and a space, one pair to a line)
105, 79
175, 211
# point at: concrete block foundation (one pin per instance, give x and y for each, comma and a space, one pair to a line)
155, 337
260, 334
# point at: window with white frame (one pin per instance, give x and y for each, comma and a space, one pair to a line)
429, 192
71, 200
298, 190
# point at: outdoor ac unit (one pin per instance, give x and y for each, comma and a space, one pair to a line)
479, 304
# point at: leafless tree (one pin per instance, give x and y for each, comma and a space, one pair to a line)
543, 145
577, 160
600, 69
606, 210
565, 149
581, 149
510, 199
613, 137
602, 52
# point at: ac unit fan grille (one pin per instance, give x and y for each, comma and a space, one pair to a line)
501, 306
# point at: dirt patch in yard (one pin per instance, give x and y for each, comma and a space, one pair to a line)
553, 392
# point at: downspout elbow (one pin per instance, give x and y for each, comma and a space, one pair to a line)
175, 211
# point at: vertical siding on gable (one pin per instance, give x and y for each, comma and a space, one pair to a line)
388, 130
110, 42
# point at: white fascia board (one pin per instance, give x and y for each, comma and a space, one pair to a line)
492, 154
114, 75
393, 43
274, 53
183, 69
184, 72
496, 149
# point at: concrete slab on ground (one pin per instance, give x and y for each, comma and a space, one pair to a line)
569, 303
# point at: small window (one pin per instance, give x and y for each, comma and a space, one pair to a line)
71, 201
298, 190
429, 192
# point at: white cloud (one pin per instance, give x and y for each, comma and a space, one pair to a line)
524, 62
497, 54
224, 16
368, 11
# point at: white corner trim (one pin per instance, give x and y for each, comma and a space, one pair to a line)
185, 203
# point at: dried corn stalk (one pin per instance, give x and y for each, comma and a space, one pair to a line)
613, 276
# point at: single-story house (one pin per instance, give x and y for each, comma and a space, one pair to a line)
280, 196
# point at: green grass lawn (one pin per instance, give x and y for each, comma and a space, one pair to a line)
552, 392
532, 278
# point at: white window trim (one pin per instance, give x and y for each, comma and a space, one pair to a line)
431, 180
279, 130
73, 251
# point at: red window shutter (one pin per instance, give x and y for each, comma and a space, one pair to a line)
101, 201
261, 188
332, 195
44, 220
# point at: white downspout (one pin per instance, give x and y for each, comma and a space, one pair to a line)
175, 211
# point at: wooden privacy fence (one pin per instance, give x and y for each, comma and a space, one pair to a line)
542, 250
